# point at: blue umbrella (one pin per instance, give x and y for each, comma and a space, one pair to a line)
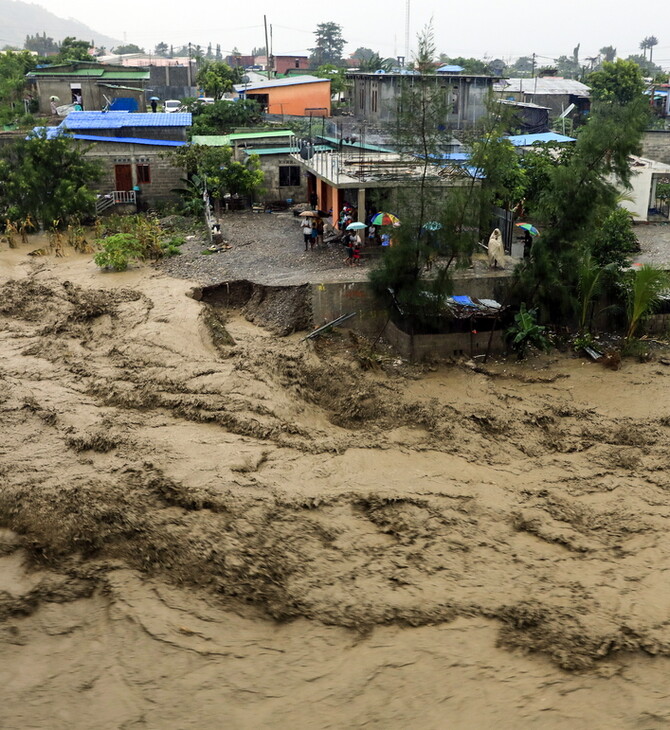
356, 226
432, 226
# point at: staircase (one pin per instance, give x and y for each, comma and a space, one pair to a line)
107, 200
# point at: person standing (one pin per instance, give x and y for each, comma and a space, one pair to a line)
306, 227
313, 235
154, 105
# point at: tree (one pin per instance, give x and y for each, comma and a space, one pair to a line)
422, 138
608, 53
647, 67
47, 180
616, 83
41, 44
128, 48
524, 66
644, 294
583, 191
224, 116
329, 44
210, 54
338, 80
218, 56
376, 63
219, 172
161, 49
470, 65
72, 49
424, 59
217, 78
13, 68
362, 54
652, 41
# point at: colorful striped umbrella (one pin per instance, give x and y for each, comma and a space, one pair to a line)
528, 227
385, 219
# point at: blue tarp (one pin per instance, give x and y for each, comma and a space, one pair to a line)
526, 140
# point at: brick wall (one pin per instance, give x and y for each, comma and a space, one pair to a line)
164, 175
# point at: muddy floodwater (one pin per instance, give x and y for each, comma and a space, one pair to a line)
205, 525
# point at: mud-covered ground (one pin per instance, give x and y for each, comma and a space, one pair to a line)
205, 525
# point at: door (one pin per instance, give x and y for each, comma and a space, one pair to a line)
124, 177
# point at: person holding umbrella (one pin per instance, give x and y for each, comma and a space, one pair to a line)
154, 104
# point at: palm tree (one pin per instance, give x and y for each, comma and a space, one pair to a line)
647, 285
652, 41
643, 47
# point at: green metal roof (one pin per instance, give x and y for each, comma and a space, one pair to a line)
226, 140
94, 73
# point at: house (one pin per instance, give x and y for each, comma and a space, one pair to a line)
132, 150
641, 200
375, 96
94, 86
368, 177
557, 94
302, 96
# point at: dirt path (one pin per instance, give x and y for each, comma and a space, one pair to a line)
260, 534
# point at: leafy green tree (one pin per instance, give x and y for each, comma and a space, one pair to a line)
72, 49
223, 117
614, 240
329, 44
128, 48
619, 82
608, 53
338, 79
646, 67
580, 195
161, 49
219, 172
376, 63
13, 68
47, 180
470, 65
523, 66
362, 54
41, 44
217, 78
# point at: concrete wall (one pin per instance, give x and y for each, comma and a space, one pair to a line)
433, 347
164, 175
656, 145
376, 97
270, 165
332, 300
93, 96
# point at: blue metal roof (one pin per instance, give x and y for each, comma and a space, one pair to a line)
525, 140
117, 120
52, 132
130, 140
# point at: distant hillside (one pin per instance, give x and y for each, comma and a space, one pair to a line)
21, 19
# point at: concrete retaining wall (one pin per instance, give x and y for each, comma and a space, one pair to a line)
656, 145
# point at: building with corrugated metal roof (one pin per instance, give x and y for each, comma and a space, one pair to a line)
303, 96
549, 91
94, 86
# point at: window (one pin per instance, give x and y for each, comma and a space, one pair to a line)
373, 101
361, 98
289, 176
143, 174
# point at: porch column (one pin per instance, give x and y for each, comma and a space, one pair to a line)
361, 204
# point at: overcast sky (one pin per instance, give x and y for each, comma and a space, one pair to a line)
479, 28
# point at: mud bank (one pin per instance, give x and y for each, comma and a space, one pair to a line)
209, 525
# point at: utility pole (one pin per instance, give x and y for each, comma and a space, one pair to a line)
407, 31
190, 84
267, 48
533, 71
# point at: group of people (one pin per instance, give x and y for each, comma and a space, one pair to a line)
312, 231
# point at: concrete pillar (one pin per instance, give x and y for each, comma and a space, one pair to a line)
361, 204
